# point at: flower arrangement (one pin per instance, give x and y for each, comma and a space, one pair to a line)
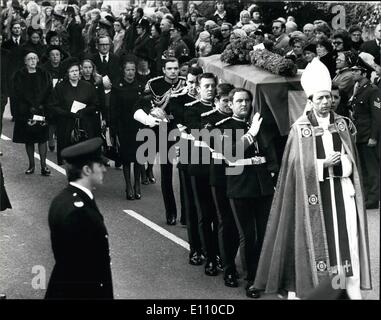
238, 51
273, 62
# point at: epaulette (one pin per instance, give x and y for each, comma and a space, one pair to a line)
208, 113
189, 104
222, 121
153, 79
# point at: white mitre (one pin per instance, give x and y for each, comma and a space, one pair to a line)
315, 78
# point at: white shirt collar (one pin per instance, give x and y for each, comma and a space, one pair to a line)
16, 38
107, 56
84, 189
378, 42
323, 122
221, 15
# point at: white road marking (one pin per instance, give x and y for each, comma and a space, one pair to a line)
158, 229
52, 164
5, 138
132, 213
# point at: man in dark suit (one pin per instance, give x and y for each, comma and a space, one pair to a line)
130, 35
78, 234
106, 62
74, 29
15, 53
374, 46
108, 65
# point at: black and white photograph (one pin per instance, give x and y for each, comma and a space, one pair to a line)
190, 158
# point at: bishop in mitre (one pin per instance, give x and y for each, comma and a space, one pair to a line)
317, 229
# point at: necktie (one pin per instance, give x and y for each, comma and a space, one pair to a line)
104, 60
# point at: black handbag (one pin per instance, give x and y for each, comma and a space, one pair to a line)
77, 134
112, 151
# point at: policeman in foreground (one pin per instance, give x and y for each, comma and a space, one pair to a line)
79, 236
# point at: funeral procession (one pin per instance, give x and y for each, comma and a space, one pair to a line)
190, 151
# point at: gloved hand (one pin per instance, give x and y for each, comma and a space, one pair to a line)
152, 121
255, 124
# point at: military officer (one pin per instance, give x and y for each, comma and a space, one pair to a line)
178, 46
199, 168
189, 217
78, 233
228, 236
250, 187
160, 89
365, 103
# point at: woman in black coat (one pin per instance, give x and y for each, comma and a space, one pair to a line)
124, 96
68, 93
325, 53
89, 74
32, 87
35, 42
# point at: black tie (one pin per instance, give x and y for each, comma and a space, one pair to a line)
104, 60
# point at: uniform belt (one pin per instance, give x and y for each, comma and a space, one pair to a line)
186, 136
248, 162
201, 144
218, 156
181, 127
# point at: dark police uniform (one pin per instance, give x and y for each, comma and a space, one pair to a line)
79, 238
179, 48
365, 104
161, 91
198, 169
251, 191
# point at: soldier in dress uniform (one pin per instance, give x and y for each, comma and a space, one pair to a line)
159, 90
196, 116
250, 189
189, 217
178, 46
78, 233
365, 103
228, 236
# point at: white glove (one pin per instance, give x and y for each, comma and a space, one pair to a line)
146, 119
255, 124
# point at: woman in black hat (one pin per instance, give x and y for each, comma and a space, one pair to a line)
145, 66
73, 100
54, 56
144, 41
35, 42
124, 95
31, 90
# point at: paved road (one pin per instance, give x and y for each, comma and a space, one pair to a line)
147, 263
